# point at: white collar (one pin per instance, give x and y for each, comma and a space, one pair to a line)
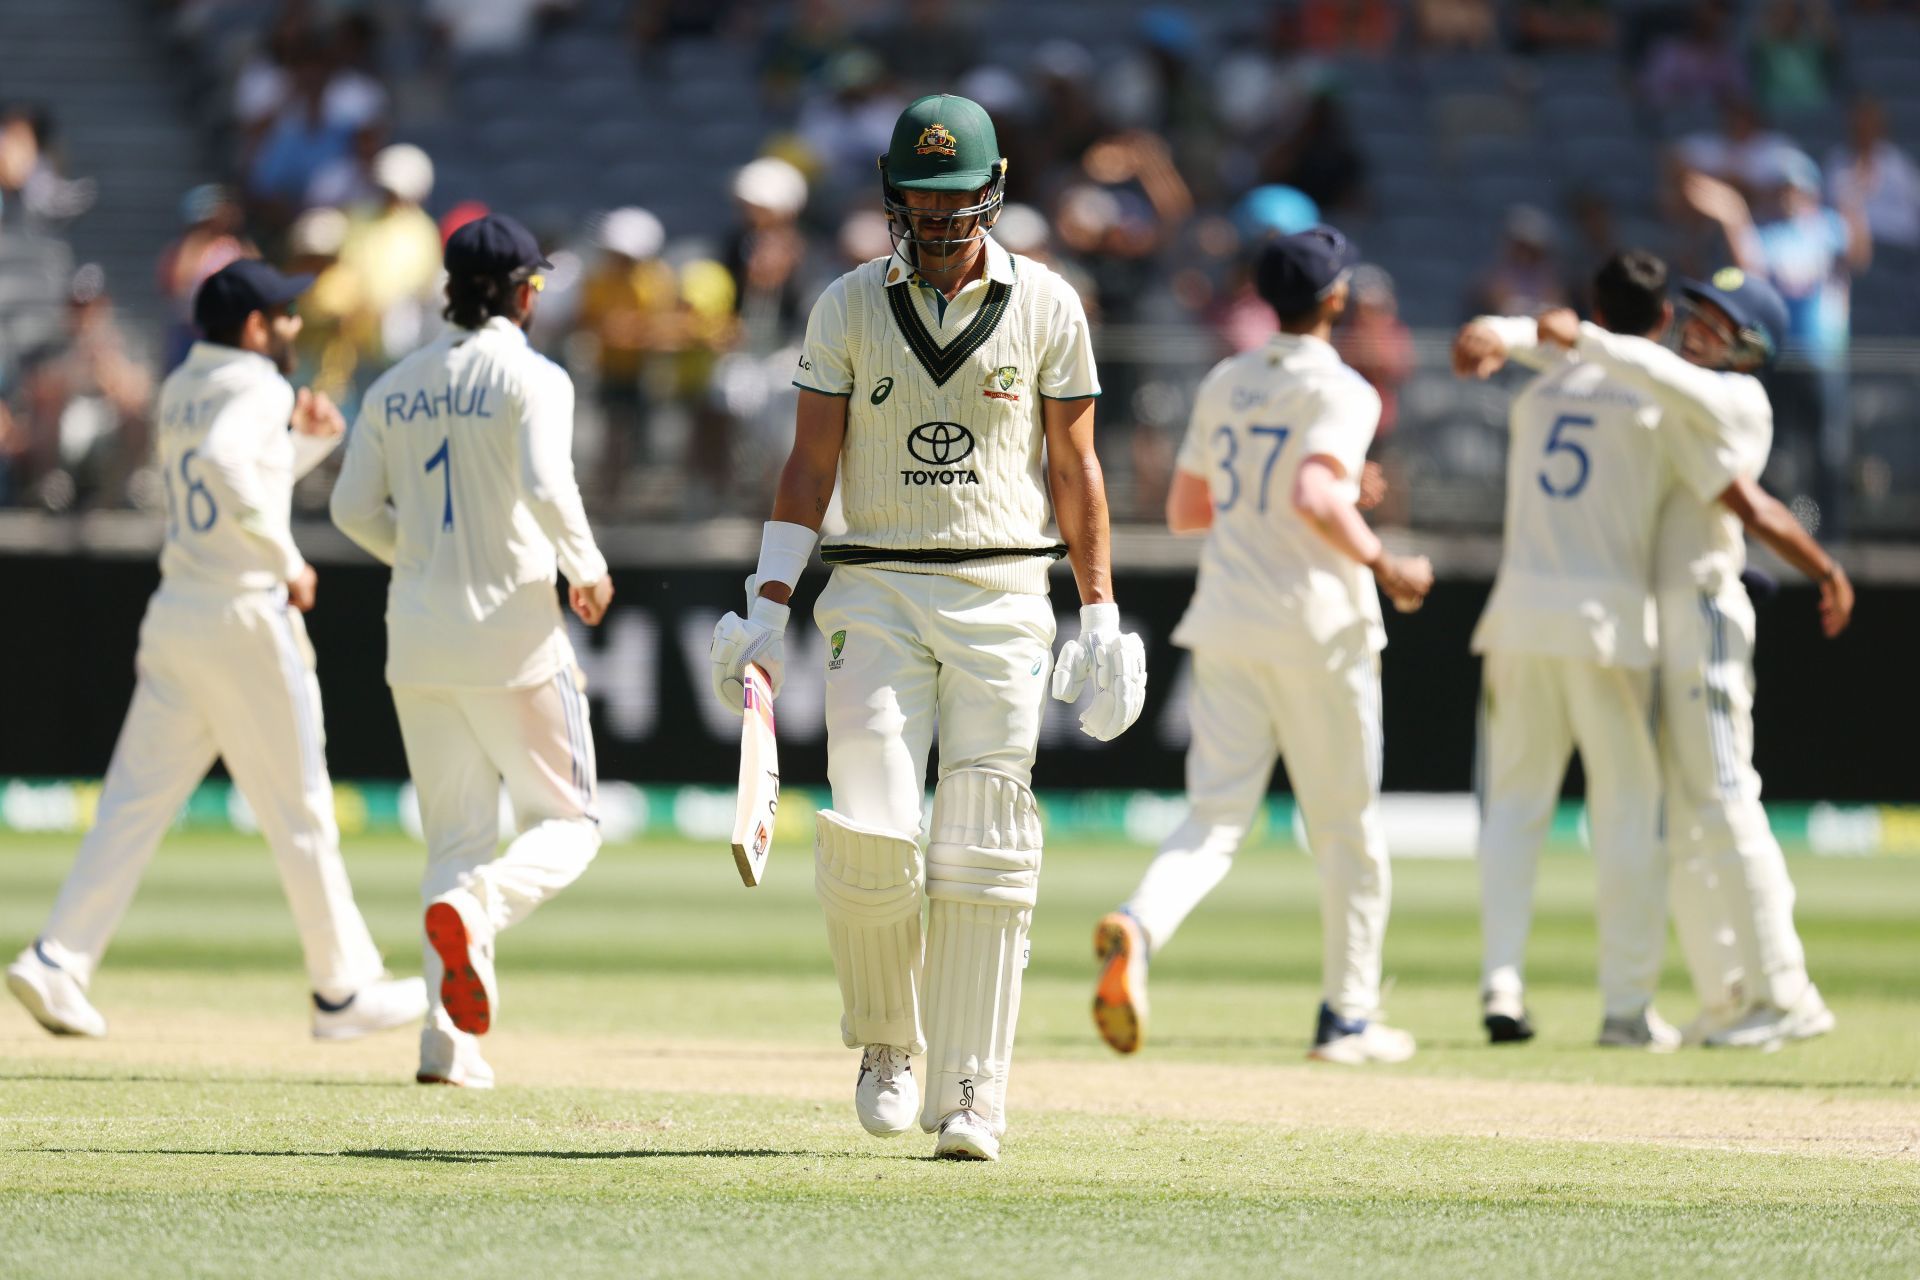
216, 355
999, 265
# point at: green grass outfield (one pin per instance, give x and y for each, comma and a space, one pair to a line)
674, 1099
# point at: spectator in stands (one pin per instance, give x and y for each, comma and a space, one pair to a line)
33, 193
630, 308
304, 138
393, 251
1525, 278
1696, 67
1335, 26
83, 406
213, 237
1320, 156
1456, 24
767, 253
477, 28
850, 120
1543, 26
350, 93
1795, 56
797, 47
1374, 341
1743, 150
1872, 173
337, 330
1068, 119
1126, 204
1808, 252
935, 40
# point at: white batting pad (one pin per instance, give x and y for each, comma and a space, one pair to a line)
983, 874
869, 883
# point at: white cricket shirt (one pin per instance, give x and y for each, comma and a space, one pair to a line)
1717, 428
229, 465
1586, 480
943, 466
459, 474
1270, 586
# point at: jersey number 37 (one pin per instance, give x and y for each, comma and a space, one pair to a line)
1228, 442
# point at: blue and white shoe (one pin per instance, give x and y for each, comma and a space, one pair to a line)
1351, 1042
53, 996
378, 1006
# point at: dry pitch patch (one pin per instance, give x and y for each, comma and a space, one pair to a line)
1283, 1098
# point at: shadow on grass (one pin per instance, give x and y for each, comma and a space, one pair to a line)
323, 1082
436, 1155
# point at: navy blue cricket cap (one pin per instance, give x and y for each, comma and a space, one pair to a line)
1294, 272
237, 290
1755, 307
494, 245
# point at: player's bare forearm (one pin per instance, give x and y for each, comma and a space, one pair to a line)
1079, 490
806, 482
1328, 512
1189, 504
1768, 519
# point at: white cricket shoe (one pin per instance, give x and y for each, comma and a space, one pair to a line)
886, 1095
1644, 1030
378, 1006
449, 1057
1766, 1024
53, 996
1120, 995
965, 1136
462, 936
1711, 1020
1352, 1042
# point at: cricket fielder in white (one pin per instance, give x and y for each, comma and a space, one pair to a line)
1286, 636
1732, 898
1567, 642
459, 474
931, 382
226, 672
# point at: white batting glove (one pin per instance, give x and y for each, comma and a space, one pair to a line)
759, 638
1116, 662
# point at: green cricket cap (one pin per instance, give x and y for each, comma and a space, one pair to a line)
943, 142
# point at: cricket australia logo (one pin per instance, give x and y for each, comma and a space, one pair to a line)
940, 444
836, 645
1001, 383
936, 141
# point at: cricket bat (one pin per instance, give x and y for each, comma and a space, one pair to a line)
759, 795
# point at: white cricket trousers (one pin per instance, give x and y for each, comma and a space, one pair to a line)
461, 745
1246, 714
907, 650
1535, 710
1733, 899
231, 678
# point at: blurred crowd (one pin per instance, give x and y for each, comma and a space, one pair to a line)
1144, 165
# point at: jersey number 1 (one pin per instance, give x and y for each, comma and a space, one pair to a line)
444, 460
1226, 436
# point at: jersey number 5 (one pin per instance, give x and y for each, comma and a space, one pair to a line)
1558, 443
1231, 441
444, 460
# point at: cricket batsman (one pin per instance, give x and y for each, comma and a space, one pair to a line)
1286, 635
950, 386
459, 475
1732, 897
225, 672
1567, 645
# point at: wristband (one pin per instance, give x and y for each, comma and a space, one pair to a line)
784, 551
1100, 619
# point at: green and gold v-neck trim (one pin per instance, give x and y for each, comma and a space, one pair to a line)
942, 362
